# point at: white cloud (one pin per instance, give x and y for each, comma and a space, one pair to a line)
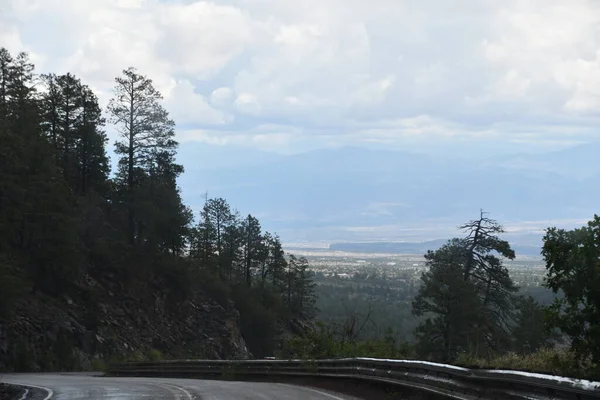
221, 96
188, 107
338, 72
247, 103
199, 38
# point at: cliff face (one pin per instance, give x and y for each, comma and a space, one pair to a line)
98, 320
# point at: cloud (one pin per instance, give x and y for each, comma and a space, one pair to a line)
221, 96
305, 74
191, 108
199, 38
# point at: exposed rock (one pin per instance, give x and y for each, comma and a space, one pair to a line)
292, 328
102, 322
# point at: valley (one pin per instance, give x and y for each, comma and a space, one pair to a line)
378, 288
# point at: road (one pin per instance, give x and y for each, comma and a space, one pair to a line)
92, 386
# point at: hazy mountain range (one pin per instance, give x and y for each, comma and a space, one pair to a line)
356, 194
415, 247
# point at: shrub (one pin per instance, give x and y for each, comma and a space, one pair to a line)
99, 365
546, 361
155, 355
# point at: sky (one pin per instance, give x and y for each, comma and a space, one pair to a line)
477, 78
296, 75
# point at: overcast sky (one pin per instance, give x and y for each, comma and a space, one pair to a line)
291, 75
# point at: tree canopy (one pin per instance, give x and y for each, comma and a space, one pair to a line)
573, 264
65, 218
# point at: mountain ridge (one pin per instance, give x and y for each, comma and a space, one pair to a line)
414, 247
329, 194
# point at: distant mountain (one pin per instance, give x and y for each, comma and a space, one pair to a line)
414, 247
197, 156
581, 161
355, 194
389, 247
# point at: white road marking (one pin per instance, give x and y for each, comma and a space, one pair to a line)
188, 394
169, 387
24, 394
49, 391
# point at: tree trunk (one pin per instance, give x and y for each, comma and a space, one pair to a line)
131, 216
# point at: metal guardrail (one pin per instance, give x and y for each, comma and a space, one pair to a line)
440, 379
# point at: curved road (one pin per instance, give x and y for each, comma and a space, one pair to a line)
93, 386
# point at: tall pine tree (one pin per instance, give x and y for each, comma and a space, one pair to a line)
467, 273
147, 168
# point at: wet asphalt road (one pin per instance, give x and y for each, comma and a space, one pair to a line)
93, 386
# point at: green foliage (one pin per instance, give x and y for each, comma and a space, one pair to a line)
147, 169
561, 362
99, 365
443, 296
530, 332
252, 246
300, 294
136, 356
37, 226
215, 288
573, 268
386, 299
257, 319
11, 287
72, 122
176, 275
235, 260
63, 220
229, 371
466, 274
324, 342
155, 355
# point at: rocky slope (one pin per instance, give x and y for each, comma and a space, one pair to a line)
100, 320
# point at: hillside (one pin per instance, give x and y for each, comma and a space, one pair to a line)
100, 319
97, 264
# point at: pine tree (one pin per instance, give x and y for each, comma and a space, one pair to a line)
232, 251
442, 299
69, 115
531, 332
485, 288
50, 106
301, 296
36, 209
273, 262
6, 61
252, 246
147, 135
92, 161
496, 289
165, 219
216, 224
72, 121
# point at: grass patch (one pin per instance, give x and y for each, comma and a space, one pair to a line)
549, 361
155, 355
99, 365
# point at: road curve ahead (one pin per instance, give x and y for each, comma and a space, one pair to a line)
91, 386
